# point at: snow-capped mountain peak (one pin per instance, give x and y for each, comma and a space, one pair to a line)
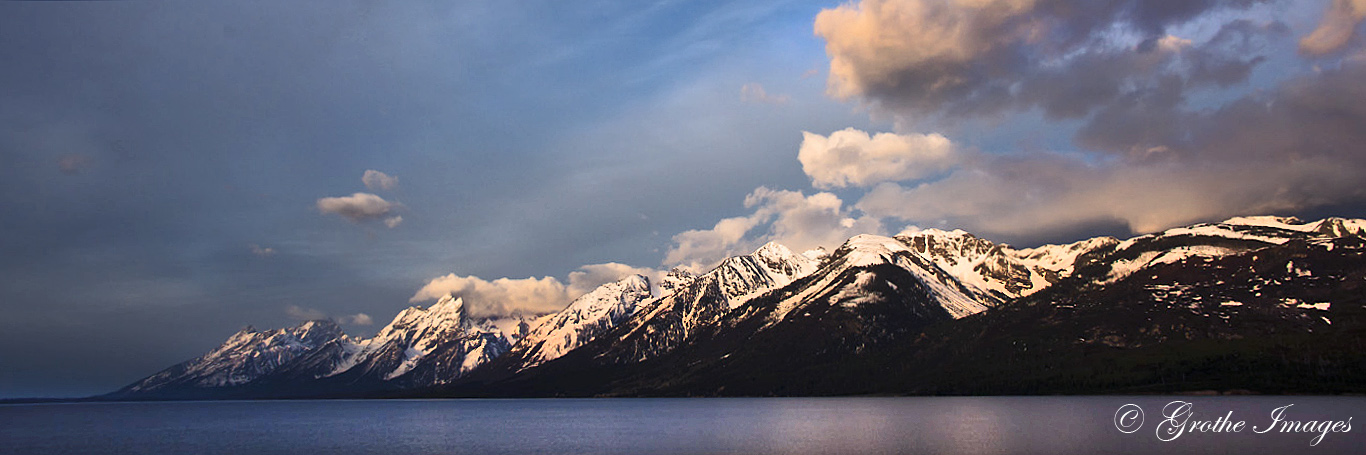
816, 254
869, 249
772, 265
584, 319
675, 279
871, 288
246, 356
415, 323
1284, 222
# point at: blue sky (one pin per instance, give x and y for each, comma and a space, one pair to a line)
162, 164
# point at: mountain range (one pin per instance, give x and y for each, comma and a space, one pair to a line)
1251, 304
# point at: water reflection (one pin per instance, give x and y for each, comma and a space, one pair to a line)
967, 425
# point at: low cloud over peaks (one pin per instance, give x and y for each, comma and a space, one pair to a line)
505, 296
791, 218
312, 314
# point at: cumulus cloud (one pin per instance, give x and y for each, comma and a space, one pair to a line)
1337, 28
393, 221
702, 248
851, 157
791, 218
589, 277
358, 207
357, 319
376, 180
504, 296
979, 57
754, 92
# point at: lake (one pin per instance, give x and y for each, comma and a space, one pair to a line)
951, 425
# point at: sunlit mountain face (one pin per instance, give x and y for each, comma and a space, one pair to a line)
1215, 306
548, 193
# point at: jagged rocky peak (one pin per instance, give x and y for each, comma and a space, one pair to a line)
772, 265
583, 320
675, 279
244, 357
1272, 229
778, 258
1263, 220
448, 313
1061, 259
307, 334
632, 283
424, 346
816, 254
1340, 227
318, 331
869, 249
950, 246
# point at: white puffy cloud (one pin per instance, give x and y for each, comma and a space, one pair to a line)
393, 221
589, 277
702, 248
357, 319
851, 157
376, 180
500, 296
1337, 28
791, 218
357, 207
505, 296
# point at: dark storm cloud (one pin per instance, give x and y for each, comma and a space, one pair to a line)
922, 59
1129, 74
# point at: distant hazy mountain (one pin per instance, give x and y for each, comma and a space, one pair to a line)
1258, 303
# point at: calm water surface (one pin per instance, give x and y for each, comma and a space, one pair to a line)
969, 425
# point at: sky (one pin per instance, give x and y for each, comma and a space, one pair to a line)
171, 172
